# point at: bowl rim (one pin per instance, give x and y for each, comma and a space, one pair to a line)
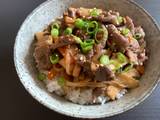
37, 98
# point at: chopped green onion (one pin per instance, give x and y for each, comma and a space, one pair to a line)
119, 19
54, 58
87, 45
125, 31
137, 36
55, 32
127, 68
88, 42
79, 23
86, 49
68, 31
100, 32
61, 81
104, 59
55, 25
121, 57
92, 27
116, 64
41, 76
94, 12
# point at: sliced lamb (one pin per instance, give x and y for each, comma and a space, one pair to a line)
139, 30
132, 56
63, 41
103, 73
41, 55
72, 12
130, 25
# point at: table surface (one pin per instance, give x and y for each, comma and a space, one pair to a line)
16, 103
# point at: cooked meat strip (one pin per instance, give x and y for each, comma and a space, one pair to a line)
103, 73
142, 43
98, 51
140, 31
81, 59
41, 55
83, 12
72, 12
119, 39
134, 45
142, 57
130, 24
132, 56
110, 17
81, 33
63, 41
68, 20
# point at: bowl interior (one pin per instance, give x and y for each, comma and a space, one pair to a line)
43, 15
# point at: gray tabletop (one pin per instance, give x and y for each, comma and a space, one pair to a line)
16, 103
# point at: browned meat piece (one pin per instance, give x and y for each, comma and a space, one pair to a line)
111, 28
140, 31
63, 41
81, 59
110, 12
98, 51
130, 25
119, 39
134, 45
72, 12
132, 56
123, 41
82, 34
142, 43
68, 20
83, 12
87, 69
103, 73
94, 66
41, 55
110, 17
140, 69
142, 57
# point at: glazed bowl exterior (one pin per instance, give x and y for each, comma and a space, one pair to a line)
49, 10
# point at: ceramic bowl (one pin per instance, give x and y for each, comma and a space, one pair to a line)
43, 15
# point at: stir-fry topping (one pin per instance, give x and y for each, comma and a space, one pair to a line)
91, 49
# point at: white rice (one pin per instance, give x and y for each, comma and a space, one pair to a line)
80, 96
73, 95
121, 93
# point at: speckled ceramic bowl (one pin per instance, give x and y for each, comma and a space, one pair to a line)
43, 15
